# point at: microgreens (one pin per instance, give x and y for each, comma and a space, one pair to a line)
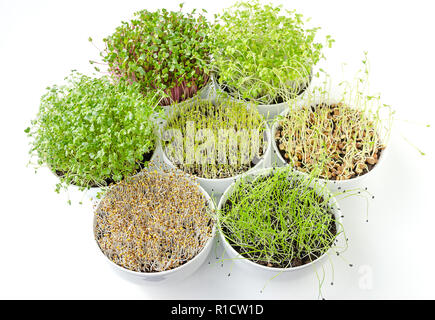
154, 221
279, 218
91, 132
214, 140
163, 50
336, 140
264, 53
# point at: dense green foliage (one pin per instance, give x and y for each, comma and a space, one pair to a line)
279, 219
90, 131
163, 50
264, 53
217, 140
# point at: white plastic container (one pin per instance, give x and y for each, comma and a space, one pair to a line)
334, 185
269, 111
251, 266
216, 187
169, 276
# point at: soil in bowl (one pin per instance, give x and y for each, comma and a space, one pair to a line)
153, 222
278, 220
337, 141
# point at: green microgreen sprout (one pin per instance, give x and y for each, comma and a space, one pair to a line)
165, 51
263, 53
279, 219
215, 140
91, 132
337, 140
155, 221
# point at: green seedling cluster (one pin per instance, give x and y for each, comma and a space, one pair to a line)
336, 140
279, 219
98, 132
340, 140
91, 132
217, 140
264, 53
165, 51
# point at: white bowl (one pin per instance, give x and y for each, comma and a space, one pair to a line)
269, 111
216, 187
334, 185
255, 267
169, 276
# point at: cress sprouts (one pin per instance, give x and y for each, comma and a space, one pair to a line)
91, 132
154, 221
264, 53
214, 140
279, 219
164, 50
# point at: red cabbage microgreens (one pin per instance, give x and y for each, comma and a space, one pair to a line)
163, 51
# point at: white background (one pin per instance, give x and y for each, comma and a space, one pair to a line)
47, 248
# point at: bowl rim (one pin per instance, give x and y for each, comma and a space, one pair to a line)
220, 90
227, 179
283, 161
186, 265
333, 204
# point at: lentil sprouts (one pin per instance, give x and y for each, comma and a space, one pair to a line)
154, 221
337, 140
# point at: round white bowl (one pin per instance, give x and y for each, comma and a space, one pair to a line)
216, 187
269, 111
334, 185
169, 276
250, 266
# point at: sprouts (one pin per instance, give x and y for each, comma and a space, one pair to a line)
335, 140
91, 132
163, 51
279, 219
152, 222
214, 141
263, 53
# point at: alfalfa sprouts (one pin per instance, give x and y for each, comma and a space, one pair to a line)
154, 221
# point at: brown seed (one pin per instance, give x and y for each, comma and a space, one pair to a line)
360, 168
371, 160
